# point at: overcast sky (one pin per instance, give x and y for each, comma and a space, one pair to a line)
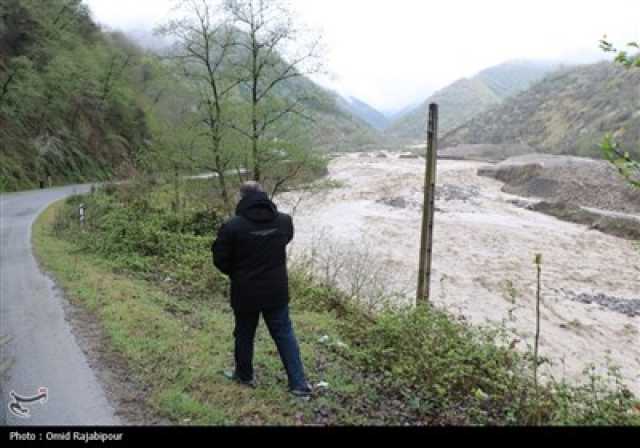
391, 53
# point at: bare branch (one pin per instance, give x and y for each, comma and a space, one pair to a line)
5, 86
289, 72
268, 28
238, 129
292, 175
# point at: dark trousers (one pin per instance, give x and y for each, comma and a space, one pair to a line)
281, 330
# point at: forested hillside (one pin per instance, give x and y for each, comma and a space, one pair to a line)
79, 104
567, 113
70, 103
466, 98
510, 78
459, 102
364, 111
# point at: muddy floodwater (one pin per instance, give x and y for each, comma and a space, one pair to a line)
483, 265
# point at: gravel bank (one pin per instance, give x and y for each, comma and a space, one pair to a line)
576, 181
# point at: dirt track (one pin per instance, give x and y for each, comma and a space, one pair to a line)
484, 257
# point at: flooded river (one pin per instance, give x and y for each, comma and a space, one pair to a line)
485, 246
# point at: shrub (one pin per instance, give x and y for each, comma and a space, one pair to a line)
442, 365
435, 368
127, 229
443, 371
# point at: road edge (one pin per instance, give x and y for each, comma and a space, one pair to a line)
123, 392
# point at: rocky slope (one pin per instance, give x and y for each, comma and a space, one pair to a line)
575, 189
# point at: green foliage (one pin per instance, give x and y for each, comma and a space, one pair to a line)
433, 368
124, 225
443, 371
623, 57
600, 401
4, 184
69, 106
628, 166
433, 356
81, 104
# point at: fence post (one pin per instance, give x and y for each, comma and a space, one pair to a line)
426, 237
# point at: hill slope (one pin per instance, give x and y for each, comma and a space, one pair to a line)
458, 102
334, 126
466, 98
364, 111
69, 108
79, 104
507, 79
567, 113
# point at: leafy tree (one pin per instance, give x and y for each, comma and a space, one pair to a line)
79, 103
621, 159
272, 56
204, 46
69, 105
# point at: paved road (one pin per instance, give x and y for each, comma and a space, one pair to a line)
42, 347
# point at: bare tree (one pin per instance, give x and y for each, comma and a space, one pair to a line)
204, 44
273, 54
353, 267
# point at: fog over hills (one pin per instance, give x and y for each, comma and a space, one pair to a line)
338, 122
364, 111
466, 98
62, 118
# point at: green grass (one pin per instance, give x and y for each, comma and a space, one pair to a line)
180, 349
149, 279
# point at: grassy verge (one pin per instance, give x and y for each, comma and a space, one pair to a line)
146, 274
179, 348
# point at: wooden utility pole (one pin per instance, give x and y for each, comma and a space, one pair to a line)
426, 239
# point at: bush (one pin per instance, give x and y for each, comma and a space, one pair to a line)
443, 366
443, 371
428, 366
125, 228
4, 184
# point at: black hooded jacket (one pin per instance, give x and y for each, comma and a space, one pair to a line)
251, 250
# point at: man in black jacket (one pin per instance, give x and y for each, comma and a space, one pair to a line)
251, 250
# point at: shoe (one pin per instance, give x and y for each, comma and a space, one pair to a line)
302, 392
231, 375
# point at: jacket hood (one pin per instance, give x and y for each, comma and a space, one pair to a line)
257, 207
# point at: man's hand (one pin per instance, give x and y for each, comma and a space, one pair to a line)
222, 250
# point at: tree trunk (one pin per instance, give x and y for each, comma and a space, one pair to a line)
221, 176
257, 174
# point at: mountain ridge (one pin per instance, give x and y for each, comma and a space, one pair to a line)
467, 97
568, 112
80, 103
364, 111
